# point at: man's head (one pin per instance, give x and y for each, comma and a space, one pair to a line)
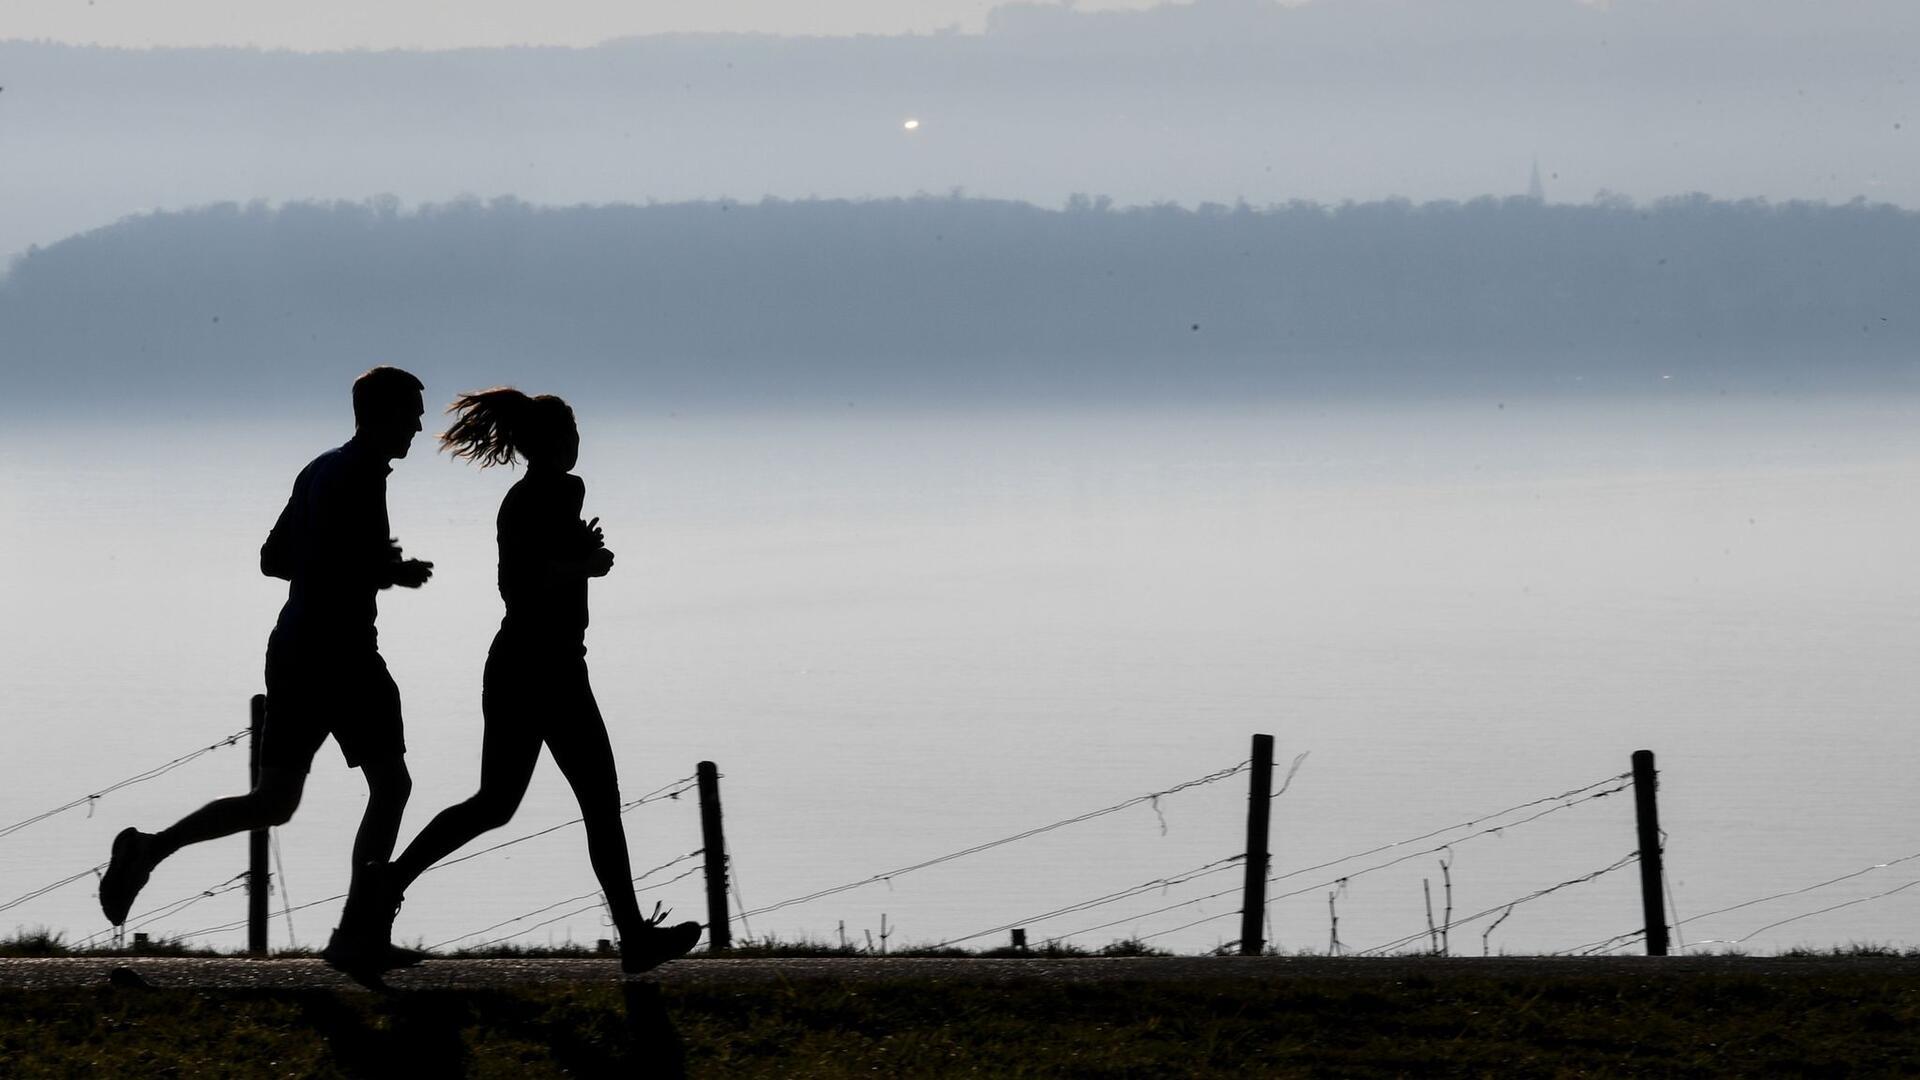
387, 410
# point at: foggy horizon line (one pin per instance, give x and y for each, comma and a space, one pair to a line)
958, 297
389, 204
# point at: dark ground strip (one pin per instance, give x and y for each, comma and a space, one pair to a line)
239, 973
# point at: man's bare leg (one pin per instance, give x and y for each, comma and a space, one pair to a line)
135, 854
389, 785
272, 802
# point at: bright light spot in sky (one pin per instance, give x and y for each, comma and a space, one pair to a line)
911, 125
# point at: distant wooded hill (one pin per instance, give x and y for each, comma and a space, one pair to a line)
945, 297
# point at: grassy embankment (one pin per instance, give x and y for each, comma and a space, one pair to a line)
1458, 1025
1824, 1021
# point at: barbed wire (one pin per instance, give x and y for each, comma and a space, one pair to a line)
154, 914
1795, 892
1820, 911
1292, 771
238, 923
1151, 798
670, 790
1604, 945
668, 865
679, 787
1621, 782
138, 778
45, 889
739, 899
286, 894
1204, 870
1625, 860
682, 876
1574, 797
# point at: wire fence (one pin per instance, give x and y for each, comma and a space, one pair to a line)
1491, 824
672, 790
1624, 940
1151, 798
1150, 924
596, 903
138, 778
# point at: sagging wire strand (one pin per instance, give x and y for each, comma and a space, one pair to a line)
167, 910
671, 790
1292, 771
236, 924
1565, 800
598, 902
1624, 861
1805, 914
1151, 798
1205, 870
92, 871
739, 900
1796, 892
1604, 945
286, 894
663, 867
137, 778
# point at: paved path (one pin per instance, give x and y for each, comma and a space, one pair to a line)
236, 973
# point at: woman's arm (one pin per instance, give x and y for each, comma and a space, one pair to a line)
584, 551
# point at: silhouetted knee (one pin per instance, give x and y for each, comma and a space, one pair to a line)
275, 806
600, 812
490, 810
390, 783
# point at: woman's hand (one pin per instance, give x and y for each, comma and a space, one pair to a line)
592, 535
599, 562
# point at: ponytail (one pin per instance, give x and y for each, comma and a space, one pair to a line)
494, 426
484, 431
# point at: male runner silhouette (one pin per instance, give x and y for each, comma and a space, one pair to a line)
324, 672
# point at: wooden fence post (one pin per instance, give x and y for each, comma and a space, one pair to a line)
257, 879
1647, 814
1253, 905
713, 839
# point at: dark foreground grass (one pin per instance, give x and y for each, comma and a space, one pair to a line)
1818, 1024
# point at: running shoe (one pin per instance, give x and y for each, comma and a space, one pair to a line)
127, 873
652, 945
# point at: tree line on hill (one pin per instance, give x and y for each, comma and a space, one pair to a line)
954, 296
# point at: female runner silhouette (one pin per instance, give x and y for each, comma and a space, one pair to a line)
536, 690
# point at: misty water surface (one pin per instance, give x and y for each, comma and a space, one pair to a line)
904, 632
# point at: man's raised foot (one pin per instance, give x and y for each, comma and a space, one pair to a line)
127, 872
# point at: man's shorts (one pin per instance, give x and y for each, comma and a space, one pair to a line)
318, 685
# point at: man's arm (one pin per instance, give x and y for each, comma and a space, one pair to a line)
280, 554
350, 537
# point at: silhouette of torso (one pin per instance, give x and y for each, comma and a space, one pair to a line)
333, 545
540, 527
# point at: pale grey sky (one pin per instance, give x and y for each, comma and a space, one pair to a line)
1221, 100
436, 24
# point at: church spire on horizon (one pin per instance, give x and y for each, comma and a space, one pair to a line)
1536, 190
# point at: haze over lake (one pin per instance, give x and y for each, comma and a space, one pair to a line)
904, 632
1001, 413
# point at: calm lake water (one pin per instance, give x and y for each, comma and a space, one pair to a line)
904, 633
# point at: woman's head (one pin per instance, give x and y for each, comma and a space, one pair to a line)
494, 426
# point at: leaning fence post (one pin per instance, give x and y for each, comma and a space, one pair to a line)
257, 881
713, 839
1647, 814
1253, 906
